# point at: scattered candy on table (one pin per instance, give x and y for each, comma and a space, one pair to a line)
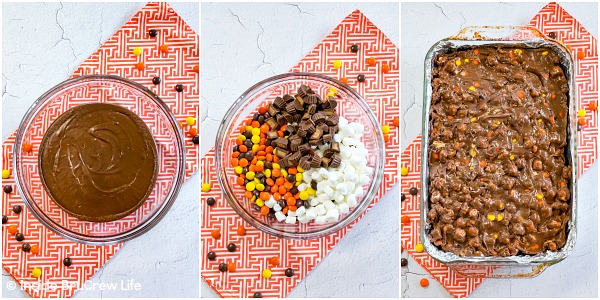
419, 247
190, 121
206, 187
164, 48
211, 255
289, 272
403, 171
17, 209
231, 247
385, 129
137, 51
26, 247
156, 80
222, 267
404, 262
193, 131
424, 282
581, 113
360, 78
593, 106
241, 230
152, 33
37, 272
337, 64
5, 174
12, 229
405, 219
396, 122
371, 61
354, 48
67, 262
403, 197
35, 249
344, 80
196, 68
385, 68
215, 234
179, 88
266, 273
27, 147
274, 260
231, 267
413, 191
4, 219
257, 295
210, 201
8, 189
580, 54
19, 237
196, 139
140, 66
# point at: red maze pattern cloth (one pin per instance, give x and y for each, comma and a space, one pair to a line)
255, 248
552, 18
115, 58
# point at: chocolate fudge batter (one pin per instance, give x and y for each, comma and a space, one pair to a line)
498, 179
98, 162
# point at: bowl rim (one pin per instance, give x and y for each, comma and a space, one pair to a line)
369, 195
136, 231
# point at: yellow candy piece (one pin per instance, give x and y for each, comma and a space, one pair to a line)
458, 62
190, 121
491, 217
419, 247
276, 166
37, 273
260, 163
260, 187
137, 51
267, 173
512, 157
303, 195
299, 168
238, 170
545, 53
206, 187
540, 196
249, 128
311, 191
266, 273
284, 173
404, 171
581, 113
473, 119
471, 88
255, 131
5, 174
337, 64
466, 60
385, 129
255, 147
298, 177
500, 217
256, 139
260, 202
250, 186
250, 175
242, 137
330, 94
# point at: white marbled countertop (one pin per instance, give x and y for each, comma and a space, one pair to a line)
245, 43
42, 45
577, 276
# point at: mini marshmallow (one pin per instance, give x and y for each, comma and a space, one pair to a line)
329, 205
304, 219
320, 209
311, 213
277, 207
338, 197
302, 186
314, 202
291, 213
332, 215
280, 216
300, 211
290, 219
271, 202
341, 188
351, 200
343, 207
328, 191
320, 220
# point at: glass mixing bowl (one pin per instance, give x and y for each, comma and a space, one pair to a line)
114, 90
350, 106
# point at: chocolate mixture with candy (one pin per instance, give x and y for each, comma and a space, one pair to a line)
498, 177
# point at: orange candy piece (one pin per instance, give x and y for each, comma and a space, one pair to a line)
593, 106
12, 229
164, 48
396, 122
274, 260
386, 137
385, 68
140, 66
424, 282
231, 267
35, 249
241, 230
27, 147
215, 234
371, 61
197, 68
581, 121
580, 54
344, 80
193, 131
405, 219
264, 210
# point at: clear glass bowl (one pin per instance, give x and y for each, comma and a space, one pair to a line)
114, 90
350, 106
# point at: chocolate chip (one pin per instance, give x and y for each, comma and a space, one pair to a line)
196, 139
552, 35
19, 237
354, 48
67, 262
291, 178
404, 262
256, 207
257, 295
156, 80
210, 201
17, 209
403, 197
26, 247
211, 255
413, 191
360, 78
289, 272
282, 203
222, 267
179, 88
271, 215
152, 32
231, 247
4, 219
8, 189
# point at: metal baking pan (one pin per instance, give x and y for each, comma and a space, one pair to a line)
518, 266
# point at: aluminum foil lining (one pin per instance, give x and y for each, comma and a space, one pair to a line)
535, 41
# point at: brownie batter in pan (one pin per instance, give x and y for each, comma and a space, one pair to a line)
98, 162
498, 177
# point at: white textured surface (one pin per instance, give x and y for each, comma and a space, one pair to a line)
245, 43
42, 45
577, 276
